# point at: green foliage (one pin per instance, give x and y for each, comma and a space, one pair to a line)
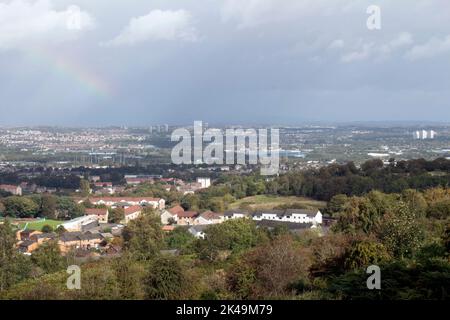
190, 202
166, 279
364, 213
401, 232
98, 282
14, 267
400, 281
21, 207
48, 206
116, 215
129, 275
415, 201
336, 204
439, 209
67, 208
365, 253
234, 235
47, 228
48, 257
180, 239
269, 270
85, 188
143, 236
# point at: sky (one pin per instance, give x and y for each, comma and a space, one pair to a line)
144, 62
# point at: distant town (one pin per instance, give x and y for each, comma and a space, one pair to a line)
107, 195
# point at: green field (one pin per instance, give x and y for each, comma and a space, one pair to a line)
267, 202
37, 225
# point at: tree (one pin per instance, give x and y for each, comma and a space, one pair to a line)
47, 228
166, 279
85, 188
180, 238
439, 209
116, 215
67, 208
216, 205
13, 266
336, 204
2, 209
48, 206
21, 207
400, 281
60, 229
362, 254
143, 236
234, 235
401, 232
269, 270
415, 201
129, 275
371, 165
48, 257
190, 202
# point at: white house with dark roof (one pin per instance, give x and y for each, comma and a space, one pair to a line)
198, 231
234, 214
290, 215
209, 217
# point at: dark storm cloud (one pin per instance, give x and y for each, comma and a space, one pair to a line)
255, 61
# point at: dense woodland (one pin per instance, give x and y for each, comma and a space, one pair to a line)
397, 217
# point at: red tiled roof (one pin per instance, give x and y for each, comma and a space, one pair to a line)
101, 184
209, 215
8, 187
176, 210
132, 209
124, 199
188, 214
94, 211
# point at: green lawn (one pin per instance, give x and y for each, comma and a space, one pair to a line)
39, 224
268, 202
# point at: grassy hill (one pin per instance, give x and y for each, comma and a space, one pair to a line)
268, 202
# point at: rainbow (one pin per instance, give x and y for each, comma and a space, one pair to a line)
68, 67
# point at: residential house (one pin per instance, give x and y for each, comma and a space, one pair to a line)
93, 178
187, 218
168, 217
176, 210
132, 213
156, 203
209, 217
290, 215
138, 180
189, 188
81, 223
43, 237
171, 215
24, 235
27, 246
15, 190
104, 188
204, 182
198, 231
78, 240
103, 184
102, 214
234, 214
